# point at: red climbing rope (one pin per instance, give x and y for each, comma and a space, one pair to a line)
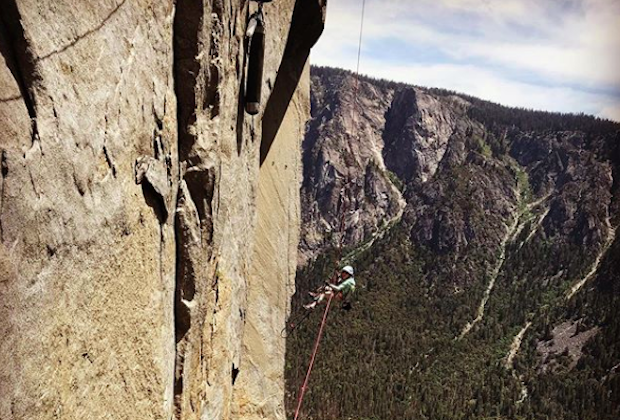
314, 352
343, 211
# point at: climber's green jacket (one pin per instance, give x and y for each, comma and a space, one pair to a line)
346, 287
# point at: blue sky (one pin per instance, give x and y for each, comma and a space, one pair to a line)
556, 55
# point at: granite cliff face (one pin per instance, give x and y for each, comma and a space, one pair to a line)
344, 171
361, 150
148, 227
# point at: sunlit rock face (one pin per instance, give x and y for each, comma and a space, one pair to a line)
344, 169
148, 226
365, 140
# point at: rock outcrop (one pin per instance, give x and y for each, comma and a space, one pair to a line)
344, 169
148, 227
364, 144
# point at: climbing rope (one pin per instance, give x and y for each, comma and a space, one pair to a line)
356, 106
343, 211
302, 391
359, 51
293, 324
343, 206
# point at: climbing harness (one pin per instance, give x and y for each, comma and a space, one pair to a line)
343, 209
256, 38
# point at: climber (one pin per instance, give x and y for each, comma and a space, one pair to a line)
342, 290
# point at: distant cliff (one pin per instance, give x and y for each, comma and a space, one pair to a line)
486, 248
459, 169
148, 226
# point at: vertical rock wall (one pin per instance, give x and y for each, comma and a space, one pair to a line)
274, 263
135, 282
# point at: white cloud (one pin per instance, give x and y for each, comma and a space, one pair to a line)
570, 46
491, 86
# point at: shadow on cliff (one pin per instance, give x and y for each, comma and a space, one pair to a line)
155, 202
307, 26
19, 58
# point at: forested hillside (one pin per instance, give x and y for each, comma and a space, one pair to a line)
484, 240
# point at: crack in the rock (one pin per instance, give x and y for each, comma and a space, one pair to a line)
4, 167
196, 86
34, 186
186, 238
84, 35
211, 100
109, 160
215, 288
234, 373
240, 66
188, 21
10, 98
185, 287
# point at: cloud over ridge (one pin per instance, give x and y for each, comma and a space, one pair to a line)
556, 55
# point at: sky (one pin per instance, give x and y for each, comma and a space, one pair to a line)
554, 55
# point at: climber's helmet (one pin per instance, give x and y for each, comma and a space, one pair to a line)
348, 269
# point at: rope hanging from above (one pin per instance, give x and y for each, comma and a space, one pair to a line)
343, 206
359, 56
342, 209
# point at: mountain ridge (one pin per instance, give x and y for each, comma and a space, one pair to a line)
470, 98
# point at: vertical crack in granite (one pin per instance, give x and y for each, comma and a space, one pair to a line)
187, 23
186, 238
211, 101
4, 167
17, 52
188, 20
196, 88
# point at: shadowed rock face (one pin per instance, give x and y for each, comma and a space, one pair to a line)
417, 129
140, 238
